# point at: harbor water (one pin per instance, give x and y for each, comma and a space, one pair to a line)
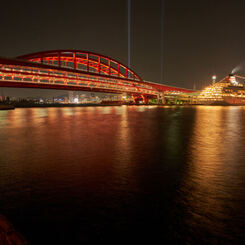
124, 173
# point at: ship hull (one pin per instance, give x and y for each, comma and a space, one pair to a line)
225, 101
234, 100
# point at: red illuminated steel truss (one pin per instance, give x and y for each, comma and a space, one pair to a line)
76, 70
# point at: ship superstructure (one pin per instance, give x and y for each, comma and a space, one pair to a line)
227, 91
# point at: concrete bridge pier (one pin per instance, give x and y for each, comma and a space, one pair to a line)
161, 99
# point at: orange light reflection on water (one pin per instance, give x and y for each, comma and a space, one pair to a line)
208, 180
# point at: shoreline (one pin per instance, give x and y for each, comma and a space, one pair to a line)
69, 105
14, 106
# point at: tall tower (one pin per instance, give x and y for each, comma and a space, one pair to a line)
214, 79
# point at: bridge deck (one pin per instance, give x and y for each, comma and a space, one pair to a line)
76, 70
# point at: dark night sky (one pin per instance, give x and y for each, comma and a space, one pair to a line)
201, 38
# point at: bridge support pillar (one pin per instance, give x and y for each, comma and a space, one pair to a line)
145, 100
134, 100
161, 99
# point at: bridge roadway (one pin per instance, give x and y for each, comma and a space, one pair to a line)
77, 70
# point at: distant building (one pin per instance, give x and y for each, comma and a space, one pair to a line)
2, 98
71, 96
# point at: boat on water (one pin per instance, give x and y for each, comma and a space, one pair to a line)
228, 91
6, 107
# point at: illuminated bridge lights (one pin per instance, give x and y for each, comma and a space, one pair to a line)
76, 70
82, 61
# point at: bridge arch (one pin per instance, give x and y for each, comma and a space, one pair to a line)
83, 61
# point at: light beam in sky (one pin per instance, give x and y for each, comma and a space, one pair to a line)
129, 33
162, 41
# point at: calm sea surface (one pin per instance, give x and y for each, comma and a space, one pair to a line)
77, 175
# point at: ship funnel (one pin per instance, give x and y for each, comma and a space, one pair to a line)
232, 79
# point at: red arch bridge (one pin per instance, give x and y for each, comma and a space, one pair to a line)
78, 70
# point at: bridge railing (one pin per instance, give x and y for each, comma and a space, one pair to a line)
29, 72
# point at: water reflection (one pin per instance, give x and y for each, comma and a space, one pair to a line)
205, 192
175, 173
